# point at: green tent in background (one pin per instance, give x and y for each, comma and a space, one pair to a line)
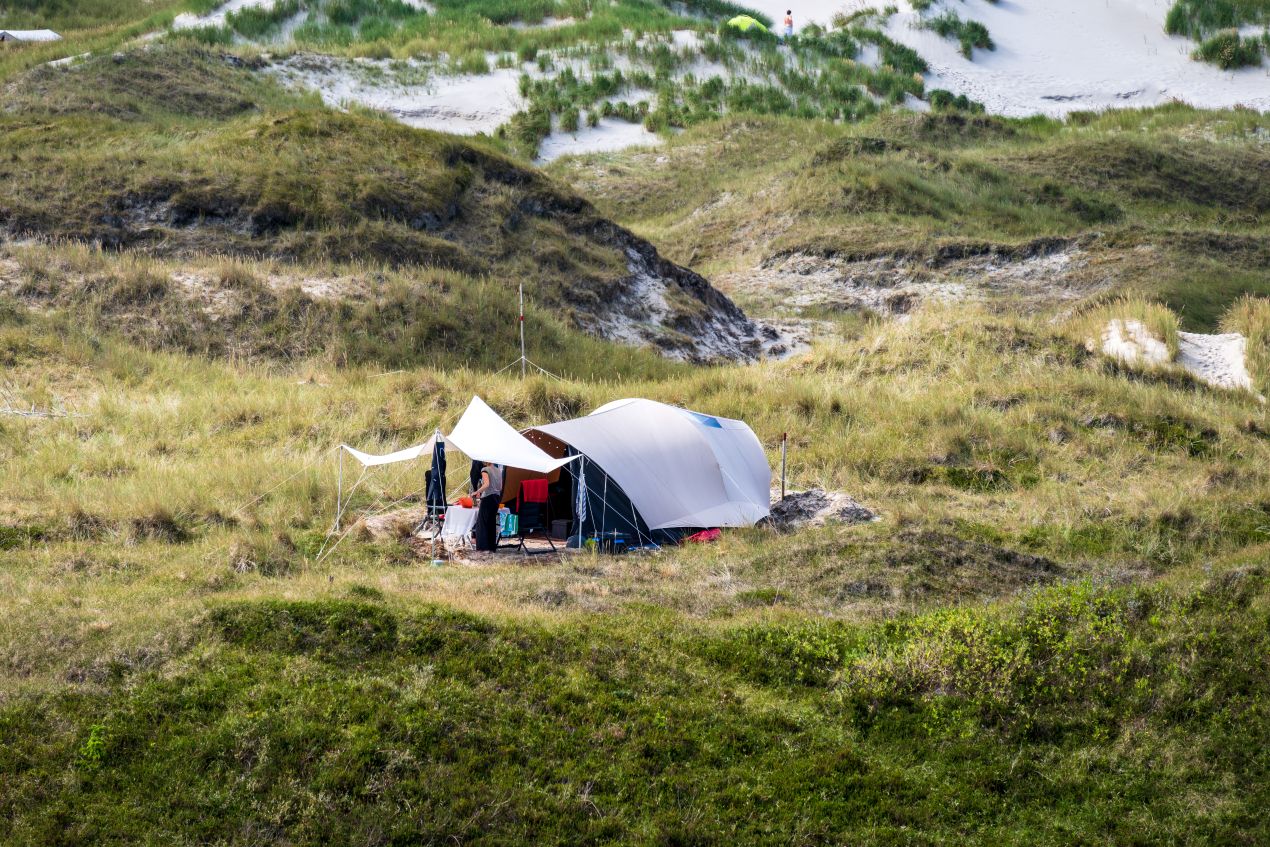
745, 23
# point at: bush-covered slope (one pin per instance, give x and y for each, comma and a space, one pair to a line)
1070, 718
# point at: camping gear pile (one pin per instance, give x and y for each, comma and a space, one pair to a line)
632, 475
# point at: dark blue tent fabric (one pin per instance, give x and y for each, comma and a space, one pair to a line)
609, 510
436, 480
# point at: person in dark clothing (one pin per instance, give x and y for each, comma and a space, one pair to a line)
488, 495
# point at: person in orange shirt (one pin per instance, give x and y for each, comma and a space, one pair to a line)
789, 22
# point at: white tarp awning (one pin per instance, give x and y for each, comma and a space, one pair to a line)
482, 435
29, 35
679, 468
370, 460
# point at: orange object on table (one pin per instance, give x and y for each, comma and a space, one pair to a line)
465, 502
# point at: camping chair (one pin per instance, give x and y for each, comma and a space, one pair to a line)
531, 506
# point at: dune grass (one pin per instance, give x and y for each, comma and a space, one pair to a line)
1066, 556
1229, 50
193, 154
1166, 213
1198, 19
969, 34
1250, 316
959, 429
1215, 25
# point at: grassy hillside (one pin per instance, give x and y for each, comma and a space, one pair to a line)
1170, 202
185, 153
1056, 633
986, 727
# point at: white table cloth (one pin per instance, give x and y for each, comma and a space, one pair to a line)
459, 522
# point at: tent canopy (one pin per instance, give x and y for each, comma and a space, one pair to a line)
370, 460
480, 434
29, 35
745, 23
679, 468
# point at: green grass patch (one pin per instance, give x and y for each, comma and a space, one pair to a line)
507, 732
969, 34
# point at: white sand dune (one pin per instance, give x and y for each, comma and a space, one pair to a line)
465, 104
612, 134
216, 17
1061, 56
1057, 56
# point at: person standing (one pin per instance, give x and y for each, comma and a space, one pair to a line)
789, 23
489, 495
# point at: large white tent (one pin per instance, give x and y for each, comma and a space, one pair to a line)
29, 35
643, 469
678, 468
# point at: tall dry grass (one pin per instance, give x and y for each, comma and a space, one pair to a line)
1250, 316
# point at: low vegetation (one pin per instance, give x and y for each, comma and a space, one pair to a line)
1057, 632
1250, 317
969, 34
1158, 210
1230, 50
1216, 25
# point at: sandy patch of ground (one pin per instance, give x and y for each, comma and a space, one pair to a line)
1217, 359
465, 104
891, 285
611, 134
545, 23
217, 16
1131, 341
815, 507
1055, 58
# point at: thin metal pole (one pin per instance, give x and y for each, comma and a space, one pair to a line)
339, 494
784, 441
523, 360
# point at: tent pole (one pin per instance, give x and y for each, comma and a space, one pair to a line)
784, 441
339, 494
523, 360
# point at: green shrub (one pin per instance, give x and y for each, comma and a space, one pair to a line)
1229, 50
569, 119
970, 34
336, 630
